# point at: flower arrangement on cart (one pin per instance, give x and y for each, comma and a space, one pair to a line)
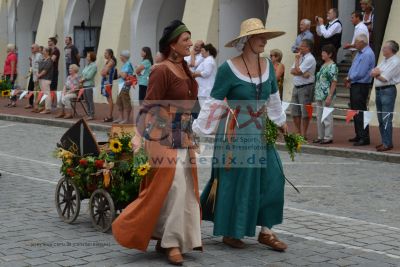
5, 87
110, 180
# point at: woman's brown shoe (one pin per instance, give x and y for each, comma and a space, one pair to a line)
232, 242
68, 116
175, 256
272, 241
60, 115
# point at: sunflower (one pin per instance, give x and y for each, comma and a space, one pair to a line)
5, 93
298, 147
115, 146
143, 169
130, 145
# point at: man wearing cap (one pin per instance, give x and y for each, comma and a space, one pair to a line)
303, 71
387, 76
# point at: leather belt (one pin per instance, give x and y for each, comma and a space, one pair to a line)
303, 85
378, 88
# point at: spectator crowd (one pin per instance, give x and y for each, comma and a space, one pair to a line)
315, 77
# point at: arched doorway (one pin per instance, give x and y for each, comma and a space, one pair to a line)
231, 14
82, 22
25, 17
149, 17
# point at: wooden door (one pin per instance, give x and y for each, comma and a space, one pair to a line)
309, 9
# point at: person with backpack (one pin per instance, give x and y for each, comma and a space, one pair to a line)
108, 74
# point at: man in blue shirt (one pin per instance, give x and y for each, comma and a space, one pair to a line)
359, 81
305, 33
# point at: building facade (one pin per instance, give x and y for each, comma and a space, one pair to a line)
131, 24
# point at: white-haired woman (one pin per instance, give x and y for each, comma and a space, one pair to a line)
124, 100
368, 18
247, 184
69, 92
10, 70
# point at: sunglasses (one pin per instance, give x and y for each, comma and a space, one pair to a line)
272, 55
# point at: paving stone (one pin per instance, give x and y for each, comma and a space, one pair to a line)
36, 254
31, 217
15, 264
12, 258
36, 262
72, 262
379, 247
318, 259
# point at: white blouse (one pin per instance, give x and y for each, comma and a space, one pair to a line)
212, 110
208, 71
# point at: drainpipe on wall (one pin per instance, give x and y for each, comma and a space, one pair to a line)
15, 23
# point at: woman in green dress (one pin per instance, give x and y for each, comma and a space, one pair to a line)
325, 89
246, 188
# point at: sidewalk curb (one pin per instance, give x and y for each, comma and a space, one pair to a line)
307, 149
52, 122
346, 153
336, 152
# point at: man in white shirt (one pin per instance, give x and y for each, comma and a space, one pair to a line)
35, 58
387, 76
303, 71
195, 57
360, 28
206, 72
330, 33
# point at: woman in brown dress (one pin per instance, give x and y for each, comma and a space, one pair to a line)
167, 208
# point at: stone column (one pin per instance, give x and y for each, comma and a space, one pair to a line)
115, 34
280, 17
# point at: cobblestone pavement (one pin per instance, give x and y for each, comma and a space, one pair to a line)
347, 214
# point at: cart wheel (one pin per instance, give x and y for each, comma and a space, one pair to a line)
102, 210
67, 200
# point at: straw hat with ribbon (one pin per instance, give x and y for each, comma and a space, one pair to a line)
253, 26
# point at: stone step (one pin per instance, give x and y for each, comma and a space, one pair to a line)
344, 69
343, 95
339, 117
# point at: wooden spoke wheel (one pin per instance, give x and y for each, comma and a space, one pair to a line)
67, 200
102, 210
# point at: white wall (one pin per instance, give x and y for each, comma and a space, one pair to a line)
3, 30
78, 11
170, 10
231, 14
288, 24
28, 16
144, 27
149, 18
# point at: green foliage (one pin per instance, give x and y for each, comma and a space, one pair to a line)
120, 173
293, 142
